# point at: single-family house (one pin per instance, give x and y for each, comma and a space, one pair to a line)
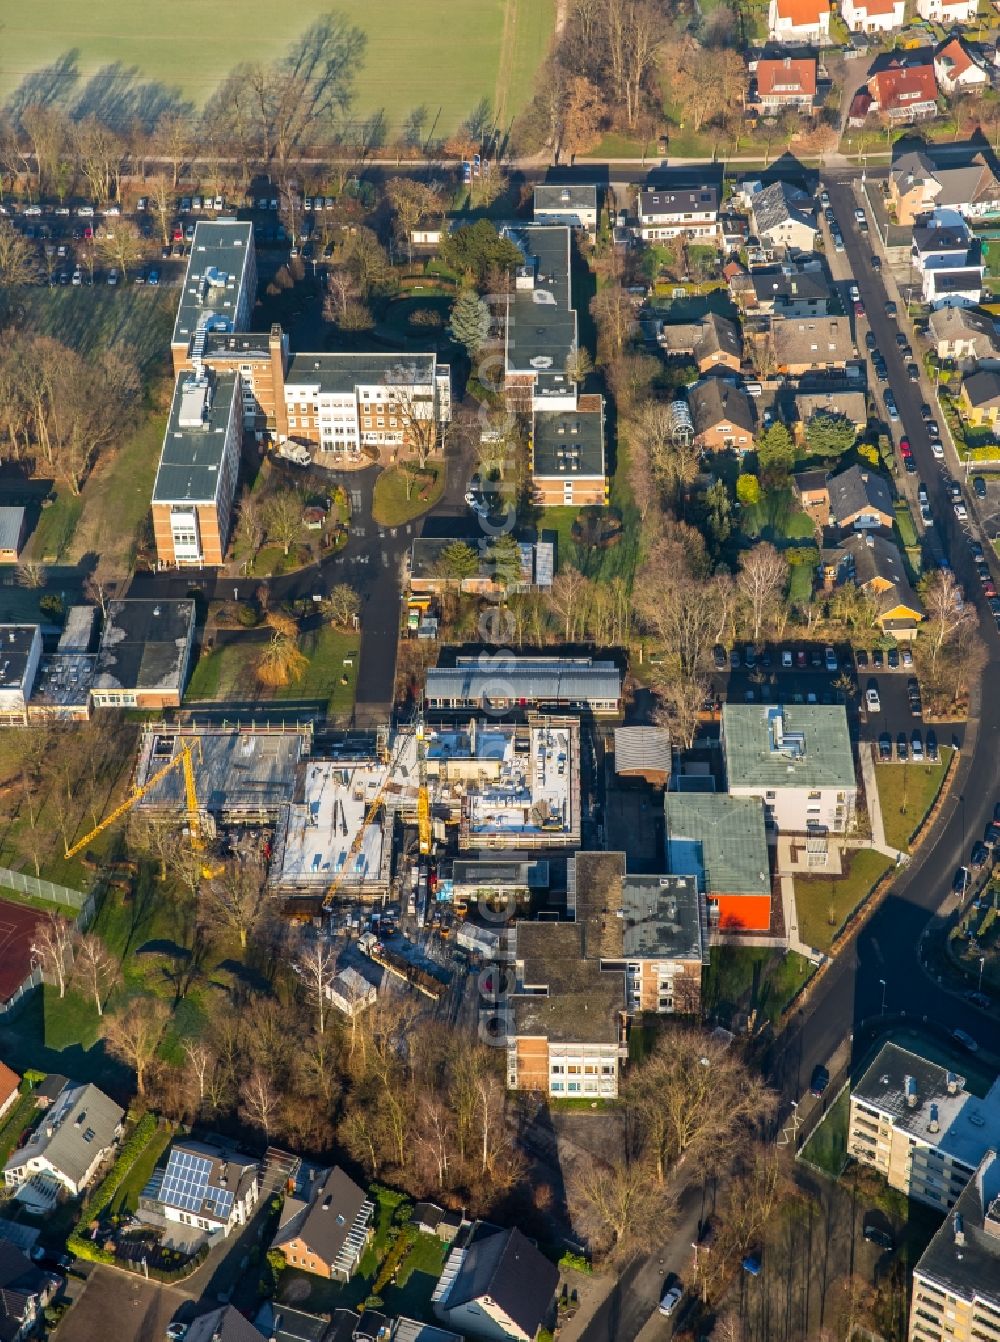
574, 206
66, 1148
12, 529
723, 416
918, 186
873, 16
495, 1285
787, 290
722, 842
783, 216
225, 1324
966, 337
783, 82
25, 1290
666, 212
948, 12
956, 69
719, 345
799, 21
818, 344
860, 500
836, 402
874, 564
324, 1230
10, 1088
904, 91
813, 494
961, 287
947, 259
797, 759
980, 397
206, 1188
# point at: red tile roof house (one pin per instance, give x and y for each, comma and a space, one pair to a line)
9, 1088
904, 92
955, 68
787, 82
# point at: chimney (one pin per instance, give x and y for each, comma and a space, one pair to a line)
959, 1228
910, 1090
933, 1124
953, 1083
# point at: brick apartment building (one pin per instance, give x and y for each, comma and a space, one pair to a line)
199, 465
567, 455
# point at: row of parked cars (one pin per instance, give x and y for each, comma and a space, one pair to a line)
815, 658
916, 747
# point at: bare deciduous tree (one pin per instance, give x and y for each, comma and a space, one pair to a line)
235, 899
52, 948
95, 968
133, 1034
761, 581
317, 963
260, 1101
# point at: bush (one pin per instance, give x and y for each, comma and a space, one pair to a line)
53, 606
247, 615
574, 1261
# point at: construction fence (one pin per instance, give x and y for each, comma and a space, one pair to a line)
75, 901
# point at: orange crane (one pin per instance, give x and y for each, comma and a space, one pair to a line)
182, 761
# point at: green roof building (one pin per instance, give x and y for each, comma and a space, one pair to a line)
722, 841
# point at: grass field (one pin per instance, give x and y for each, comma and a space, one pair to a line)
907, 793
391, 507
827, 1147
752, 978
826, 902
229, 672
440, 54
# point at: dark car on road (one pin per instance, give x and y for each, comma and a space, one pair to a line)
979, 999
979, 855
890, 308
979, 486
876, 1235
820, 1080
960, 881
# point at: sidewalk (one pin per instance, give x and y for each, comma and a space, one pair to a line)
795, 942
875, 804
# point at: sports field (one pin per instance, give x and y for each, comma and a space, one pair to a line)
446, 55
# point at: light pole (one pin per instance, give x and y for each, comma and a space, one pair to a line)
882, 981
982, 962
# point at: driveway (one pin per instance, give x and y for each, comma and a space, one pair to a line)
121, 1306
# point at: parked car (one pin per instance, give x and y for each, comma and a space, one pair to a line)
961, 512
885, 748
876, 1235
907, 657
719, 657
890, 308
786, 658
979, 855
979, 999
937, 449
671, 1299
819, 1081
830, 657
917, 746
979, 486
892, 657
752, 1265
932, 746
872, 702
902, 747
965, 1039
113, 276
861, 657
878, 659
177, 1331
960, 881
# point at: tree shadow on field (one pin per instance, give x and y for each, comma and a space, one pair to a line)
116, 96
51, 86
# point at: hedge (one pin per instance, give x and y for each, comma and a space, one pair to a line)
576, 1262
127, 1156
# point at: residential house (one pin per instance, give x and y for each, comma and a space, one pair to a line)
873, 16
351, 993
572, 206
787, 290
959, 287
941, 242
839, 404
918, 186
904, 91
12, 529
956, 1281
802, 346
722, 842
723, 416
495, 1285
719, 345
63, 1153
205, 1187
783, 82
875, 564
225, 1324
25, 1290
793, 22
860, 500
540, 327
557, 682
199, 464
145, 653
813, 493
644, 752
965, 337
980, 398
917, 1125
948, 12
797, 759
783, 216
566, 455
665, 213
20, 654
324, 1229
219, 288
10, 1088
636, 943
955, 68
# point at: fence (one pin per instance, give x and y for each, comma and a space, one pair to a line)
22, 884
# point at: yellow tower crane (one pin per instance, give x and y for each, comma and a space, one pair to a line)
424, 834
181, 760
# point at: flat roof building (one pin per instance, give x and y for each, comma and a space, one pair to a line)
574, 206
956, 1283
145, 653
532, 682
199, 465
567, 455
220, 286
797, 759
12, 528
540, 322
917, 1124
20, 654
722, 842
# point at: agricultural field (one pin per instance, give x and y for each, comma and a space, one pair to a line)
438, 54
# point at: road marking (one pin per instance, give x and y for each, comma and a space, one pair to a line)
356, 500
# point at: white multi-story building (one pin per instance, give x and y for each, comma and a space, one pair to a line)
799, 21
678, 213
20, 653
873, 16
947, 12
797, 759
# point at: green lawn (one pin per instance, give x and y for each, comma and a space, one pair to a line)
827, 1147
52, 537
116, 497
825, 902
752, 978
90, 320
126, 1198
440, 55
226, 672
69, 1020
391, 507
907, 793
327, 677
905, 524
